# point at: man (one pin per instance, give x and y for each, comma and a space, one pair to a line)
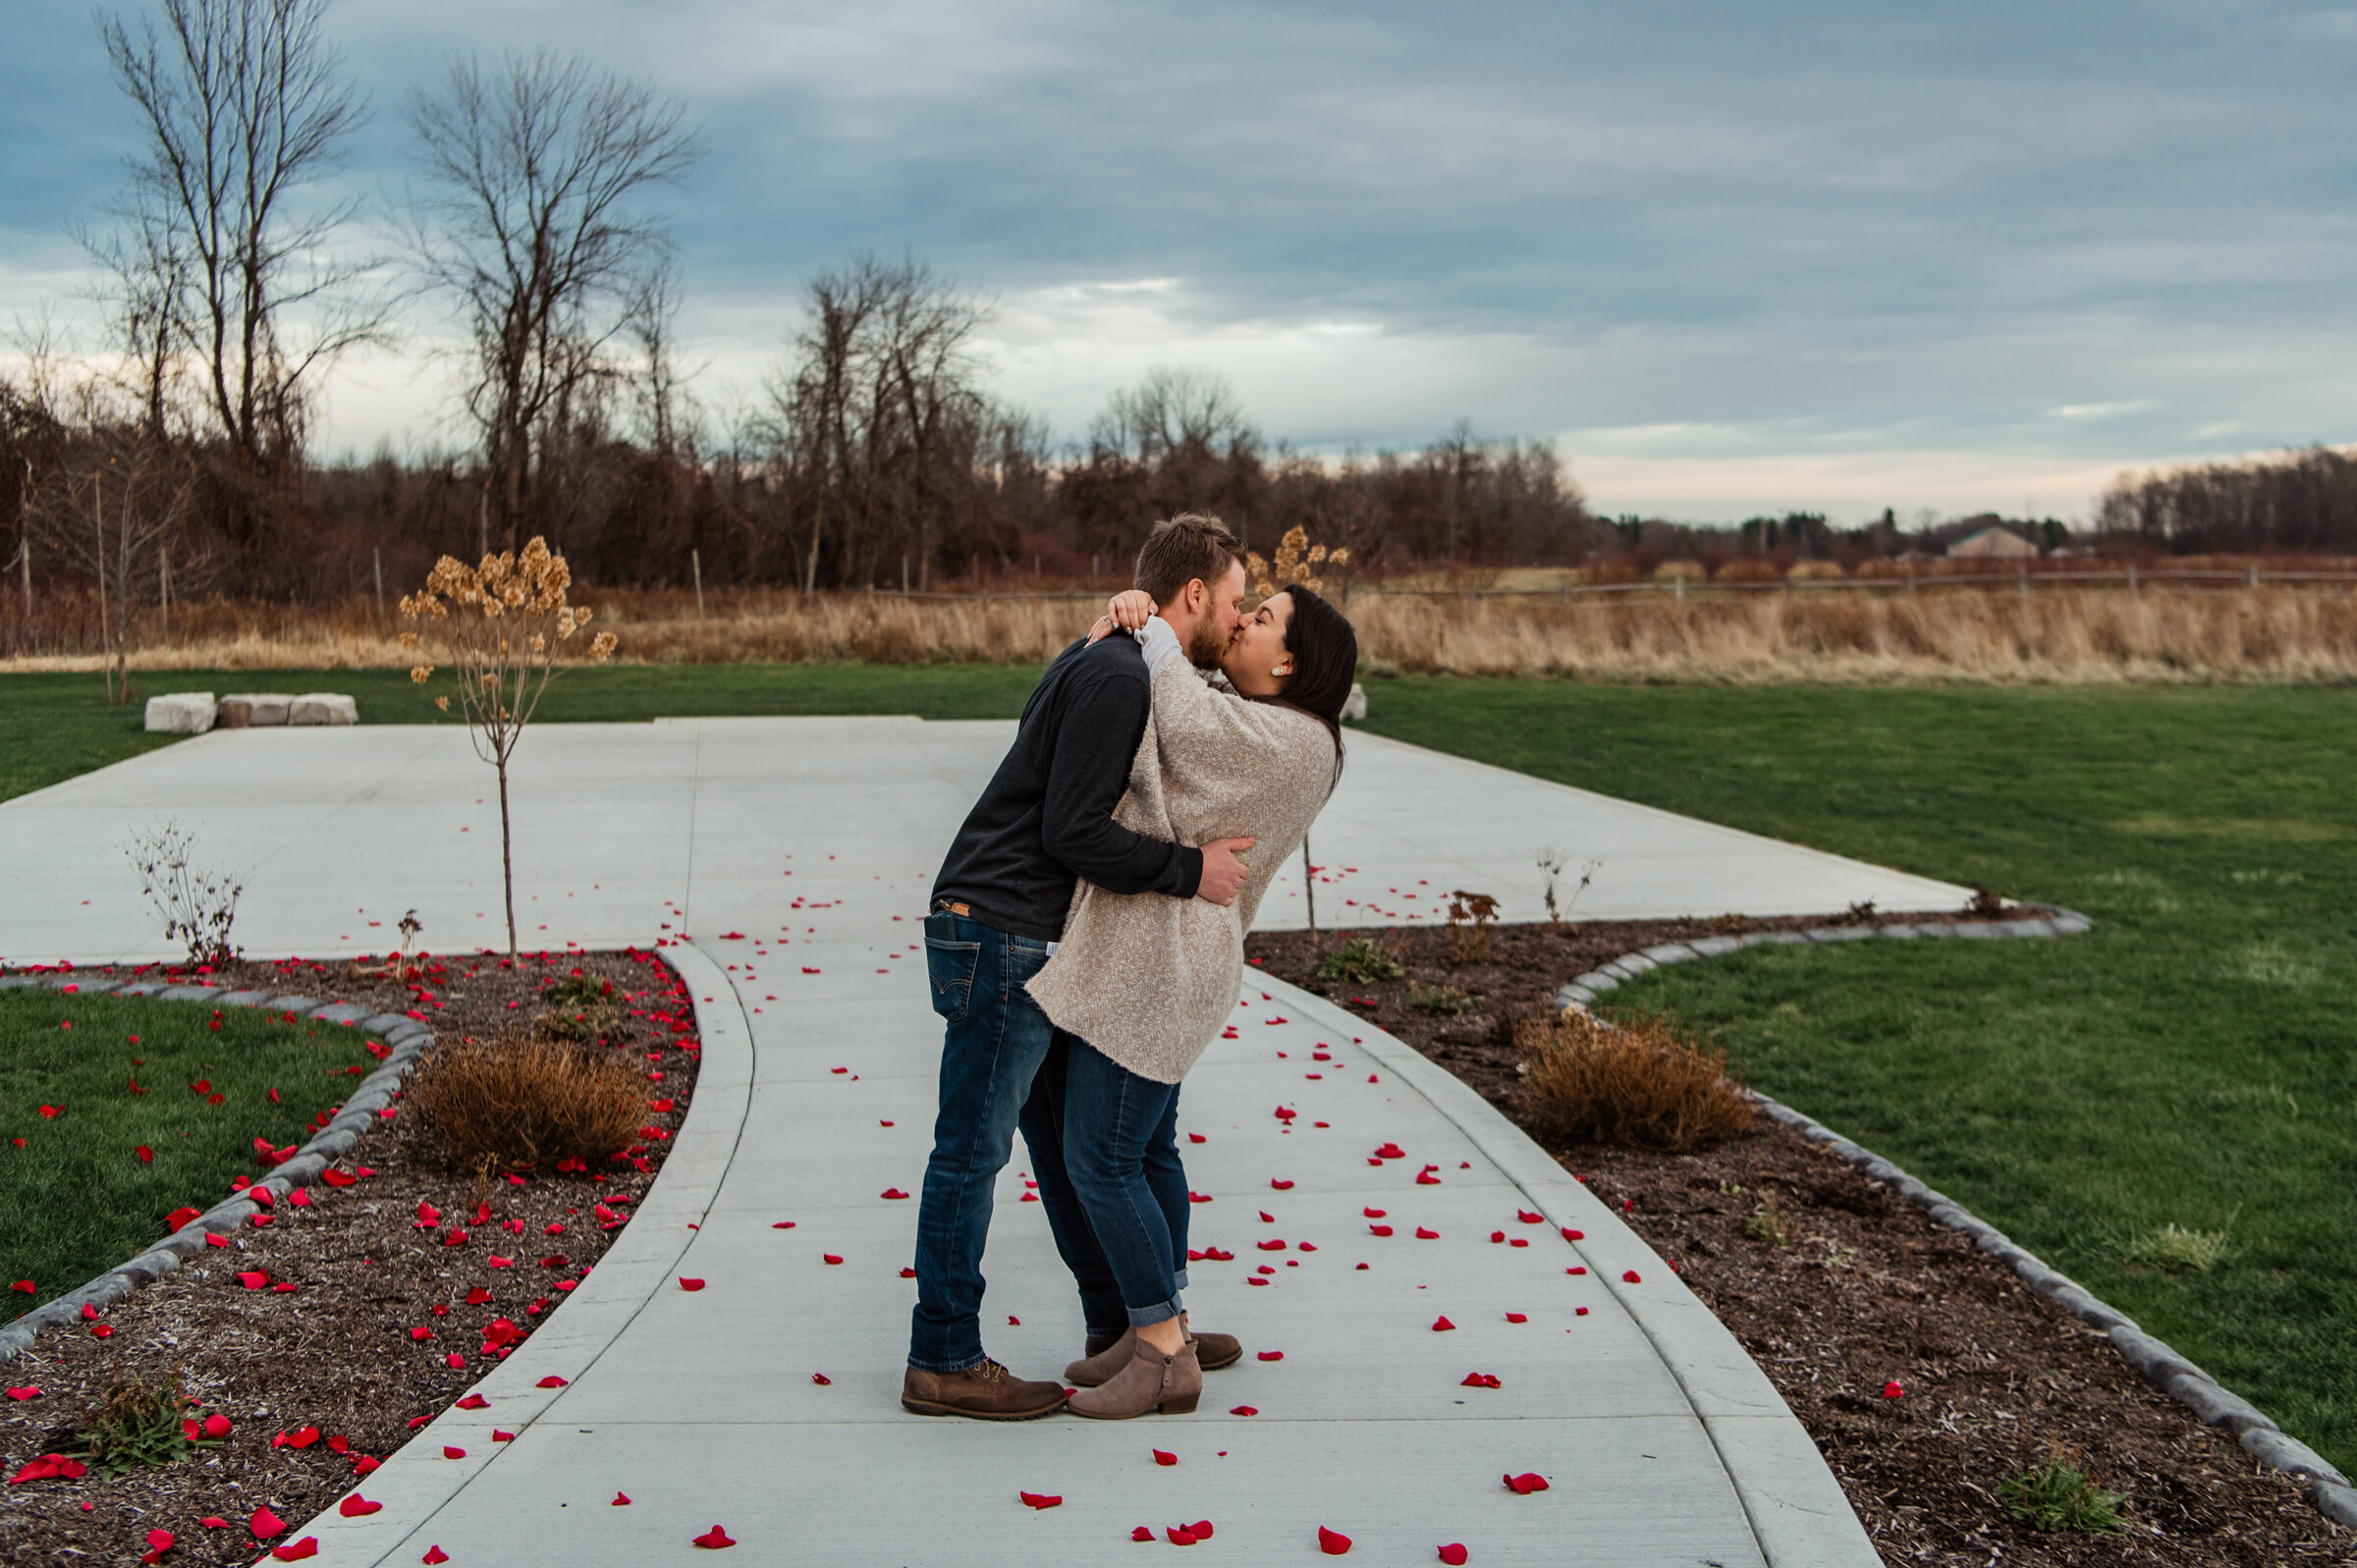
998, 908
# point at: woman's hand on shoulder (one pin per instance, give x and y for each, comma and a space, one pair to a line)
1102, 629
1130, 608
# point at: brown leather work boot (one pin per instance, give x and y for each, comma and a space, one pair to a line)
986, 1392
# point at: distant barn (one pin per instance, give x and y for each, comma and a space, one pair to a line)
1995, 542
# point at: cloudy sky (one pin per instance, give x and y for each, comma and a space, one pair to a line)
1730, 257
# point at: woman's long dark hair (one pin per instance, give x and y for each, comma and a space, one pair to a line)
1324, 650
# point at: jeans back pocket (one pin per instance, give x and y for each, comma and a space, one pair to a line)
949, 966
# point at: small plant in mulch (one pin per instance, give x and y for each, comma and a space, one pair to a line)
526, 1101
1470, 916
2057, 1494
1361, 960
1984, 903
580, 1010
1770, 1226
1635, 1082
1860, 913
1445, 1000
141, 1422
2177, 1249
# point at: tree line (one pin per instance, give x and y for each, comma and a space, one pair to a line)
176, 457
2293, 503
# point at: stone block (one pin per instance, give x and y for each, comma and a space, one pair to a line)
262, 708
323, 708
343, 1012
181, 713
1355, 706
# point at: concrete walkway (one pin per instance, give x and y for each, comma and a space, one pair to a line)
798, 853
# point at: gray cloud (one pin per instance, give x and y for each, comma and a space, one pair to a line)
1810, 229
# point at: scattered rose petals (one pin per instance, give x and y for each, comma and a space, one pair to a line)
20, 1395
1332, 1543
1528, 1481
357, 1506
1036, 1499
1481, 1379
48, 1467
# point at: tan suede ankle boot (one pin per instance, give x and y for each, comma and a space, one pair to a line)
1152, 1380
1097, 1365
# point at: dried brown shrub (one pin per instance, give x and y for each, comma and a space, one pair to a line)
522, 1102
1637, 1083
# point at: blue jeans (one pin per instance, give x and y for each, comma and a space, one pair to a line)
1116, 1126
1044, 1121
994, 1046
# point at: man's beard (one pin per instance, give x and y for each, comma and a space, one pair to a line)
1208, 645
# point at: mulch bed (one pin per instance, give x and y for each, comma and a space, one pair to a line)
334, 1367
1867, 1291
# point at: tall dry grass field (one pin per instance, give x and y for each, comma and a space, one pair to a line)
2055, 635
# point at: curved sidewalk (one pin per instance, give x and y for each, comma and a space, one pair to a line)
809, 847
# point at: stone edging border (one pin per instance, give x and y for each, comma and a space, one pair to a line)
406, 1038
2331, 1490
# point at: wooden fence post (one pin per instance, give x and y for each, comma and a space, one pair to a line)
695, 563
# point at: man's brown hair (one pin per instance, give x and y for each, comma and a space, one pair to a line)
1182, 549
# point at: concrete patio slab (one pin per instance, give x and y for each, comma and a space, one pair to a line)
798, 854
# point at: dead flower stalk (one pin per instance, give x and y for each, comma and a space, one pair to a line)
501, 627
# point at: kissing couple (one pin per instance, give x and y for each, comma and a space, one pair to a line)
1086, 942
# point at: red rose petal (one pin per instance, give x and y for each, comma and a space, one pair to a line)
550, 1382
365, 1464
264, 1524
1442, 1326
1195, 1137
894, 1193
308, 1547
1036, 1499
821, 1378
622, 1499
1891, 1390
1423, 1234
1454, 1556
474, 1402
1162, 1458
434, 1554
212, 1238
1272, 1355
1246, 1410
1200, 1530
1517, 1317
1332, 1543
692, 1284
1281, 1186
1527, 1483
449, 1452
357, 1506
1379, 1230
20, 1395
1575, 1235
1181, 1538
782, 1224
1629, 1276
829, 1258
1141, 1532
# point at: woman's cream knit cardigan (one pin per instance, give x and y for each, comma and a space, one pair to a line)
1148, 979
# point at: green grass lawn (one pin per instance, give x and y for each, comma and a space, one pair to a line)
2191, 1061
76, 1197
60, 725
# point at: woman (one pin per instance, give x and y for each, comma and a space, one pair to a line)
1145, 982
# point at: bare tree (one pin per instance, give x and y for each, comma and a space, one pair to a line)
1170, 413
882, 419
530, 221
668, 413
110, 507
244, 108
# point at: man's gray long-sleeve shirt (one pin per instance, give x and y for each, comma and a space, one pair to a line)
1046, 818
